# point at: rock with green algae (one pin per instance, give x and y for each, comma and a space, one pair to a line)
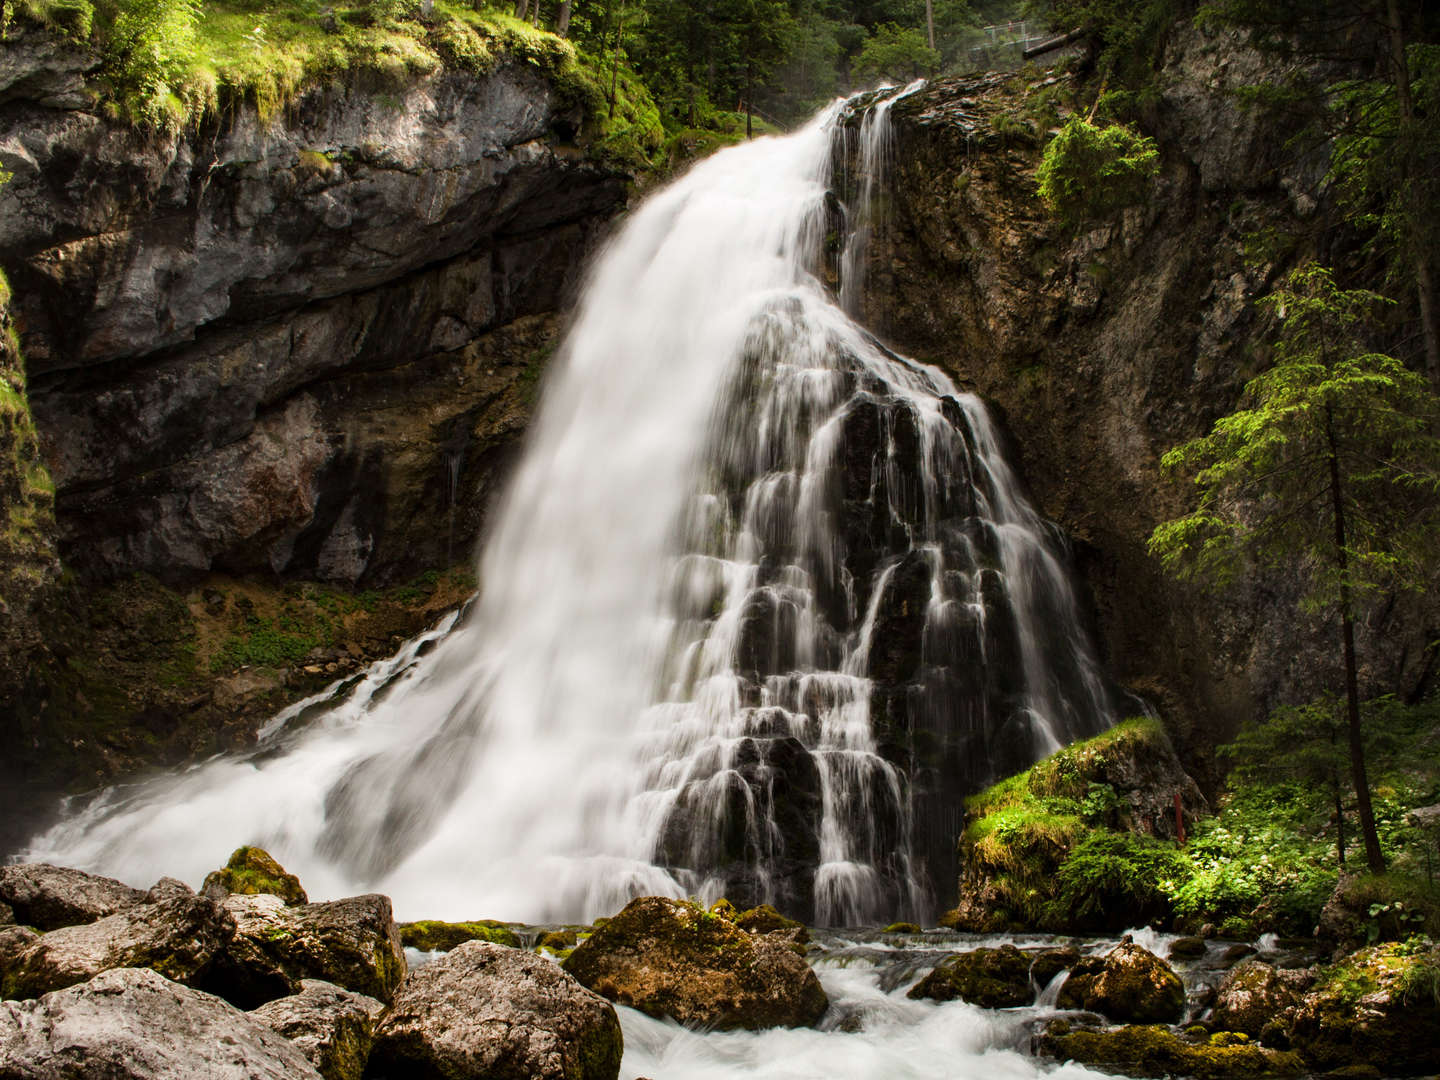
352, 943
1253, 996
251, 871
1127, 984
1050, 962
333, 1028
991, 978
902, 928
1379, 1006
483, 1010
431, 935
766, 920
670, 958
1154, 1050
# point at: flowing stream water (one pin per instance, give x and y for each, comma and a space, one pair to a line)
763, 602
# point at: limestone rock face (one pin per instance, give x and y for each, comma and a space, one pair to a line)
179, 937
49, 897
991, 978
134, 1024
333, 1028
487, 1011
669, 958
221, 326
352, 943
1127, 984
1253, 996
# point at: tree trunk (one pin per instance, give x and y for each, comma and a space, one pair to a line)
1419, 254
615, 57
521, 7
562, 20
1339, 821
1373, 859
930, 20
749, 133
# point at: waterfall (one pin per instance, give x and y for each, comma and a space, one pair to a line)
762, 604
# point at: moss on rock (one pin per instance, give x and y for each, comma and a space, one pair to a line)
991, 978
1126, 984
251, 871
434, 936
1153, 1050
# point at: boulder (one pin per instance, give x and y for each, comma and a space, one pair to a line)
1127, 984
1378, 1006
134, 1024
7, 914
49, 897
766, 920
669, 958
1187, 948
1156, 1051
250, 871
991, 978
14, 941
1254, 995
352, 943
433, 936
1050, 962
179, 937
333, 1028
484, 1010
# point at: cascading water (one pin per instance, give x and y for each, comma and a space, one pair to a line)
762, 604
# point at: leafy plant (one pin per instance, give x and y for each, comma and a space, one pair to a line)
1090, 172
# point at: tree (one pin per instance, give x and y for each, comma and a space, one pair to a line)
1089, 172
896, 52
1319, 470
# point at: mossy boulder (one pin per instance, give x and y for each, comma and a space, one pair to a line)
1153, 1050
1050, 962
1253, 996
991, 978
352, 943
766, 920
1379, 1006
670, 958
1127, 984
1187, 948
430, 935
483, 1010
333, 1028
250, 872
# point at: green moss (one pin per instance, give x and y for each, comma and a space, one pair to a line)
253, 871
1090, 172
1157, 1051
433, 936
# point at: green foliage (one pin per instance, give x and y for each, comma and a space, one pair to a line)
1117, 874
1090, 172
1325, 398
897, 53
152, 47
1128, 35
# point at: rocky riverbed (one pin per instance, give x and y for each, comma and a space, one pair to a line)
249, 978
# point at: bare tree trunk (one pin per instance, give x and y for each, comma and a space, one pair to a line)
521, 7
615, 57
562, 20
749, 111
930, 20
1373, 858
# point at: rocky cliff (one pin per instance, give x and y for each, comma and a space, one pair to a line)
298, 346
1105, 347
263, 352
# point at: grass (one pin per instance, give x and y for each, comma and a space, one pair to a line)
26, 488
169, 64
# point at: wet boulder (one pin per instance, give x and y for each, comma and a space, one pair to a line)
252, 871
766, 920
1187, 948
1254, 996
7, 914
1377, 1007
990, 978
333, 1028
49, 897
134, 1024
1142, 1050
1050, 962
180, 937
487, 1011
1128, 984
352, 943
669, 958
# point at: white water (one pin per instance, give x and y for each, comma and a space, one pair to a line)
675, 642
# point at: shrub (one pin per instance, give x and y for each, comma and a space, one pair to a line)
1089, 172
1117, 879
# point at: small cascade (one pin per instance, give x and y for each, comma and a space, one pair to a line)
762, 605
